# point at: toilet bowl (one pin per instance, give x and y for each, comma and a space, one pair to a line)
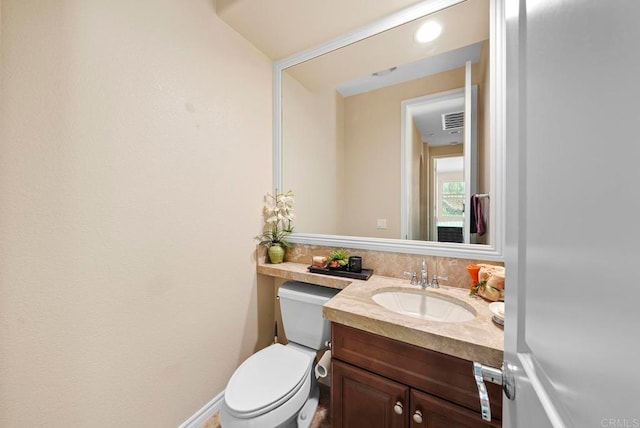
268, 389
276, 386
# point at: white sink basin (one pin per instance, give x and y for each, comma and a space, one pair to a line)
425, 306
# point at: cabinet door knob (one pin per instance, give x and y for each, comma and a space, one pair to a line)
417, 417
398, 408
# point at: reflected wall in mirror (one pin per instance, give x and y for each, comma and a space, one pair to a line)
363, 128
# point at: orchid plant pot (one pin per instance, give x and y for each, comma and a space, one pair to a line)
276, 253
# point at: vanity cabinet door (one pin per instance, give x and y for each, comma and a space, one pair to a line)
440, 375
428, 411
362, 399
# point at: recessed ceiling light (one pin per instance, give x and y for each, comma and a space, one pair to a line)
428, 32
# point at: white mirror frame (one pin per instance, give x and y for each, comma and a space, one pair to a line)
497, 60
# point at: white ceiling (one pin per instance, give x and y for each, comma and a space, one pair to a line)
280, 28
397, 47
428, 120
430, 65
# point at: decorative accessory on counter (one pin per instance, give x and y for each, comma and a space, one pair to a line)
490, 282
473, 271
319, 261
339, 263
276, 253
497, 309
355, 264
364, 274
338, 259
278, 218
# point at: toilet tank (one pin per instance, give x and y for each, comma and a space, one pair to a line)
301, 308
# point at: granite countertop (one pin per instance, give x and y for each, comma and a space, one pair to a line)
478, 340
299, 272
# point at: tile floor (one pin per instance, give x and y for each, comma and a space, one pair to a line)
320, 420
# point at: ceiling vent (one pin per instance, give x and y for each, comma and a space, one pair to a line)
452, 120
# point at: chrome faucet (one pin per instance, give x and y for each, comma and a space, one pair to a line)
434, 281
414, 277
424, 278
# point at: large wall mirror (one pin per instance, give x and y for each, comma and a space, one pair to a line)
394, 143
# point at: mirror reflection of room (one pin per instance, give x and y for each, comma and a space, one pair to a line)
349, 155
448, 199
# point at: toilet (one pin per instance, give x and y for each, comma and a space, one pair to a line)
276, 387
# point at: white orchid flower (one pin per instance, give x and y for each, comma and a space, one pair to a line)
278, 214
272, 220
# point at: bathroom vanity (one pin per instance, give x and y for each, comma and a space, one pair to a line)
381, 382
390, 369
393, 370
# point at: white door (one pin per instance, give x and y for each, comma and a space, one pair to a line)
573, 198
470, 148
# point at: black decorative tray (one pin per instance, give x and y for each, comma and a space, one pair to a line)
364, 275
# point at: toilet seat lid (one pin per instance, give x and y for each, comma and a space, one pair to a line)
266, 379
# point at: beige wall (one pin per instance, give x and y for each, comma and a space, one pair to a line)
135, 151
372, 152
312, 141
342, 155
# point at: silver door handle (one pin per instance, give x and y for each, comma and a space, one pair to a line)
502, 376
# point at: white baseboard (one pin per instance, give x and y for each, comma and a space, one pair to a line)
202, 415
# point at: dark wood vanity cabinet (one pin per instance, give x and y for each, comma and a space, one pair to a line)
380, 382
364, 399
